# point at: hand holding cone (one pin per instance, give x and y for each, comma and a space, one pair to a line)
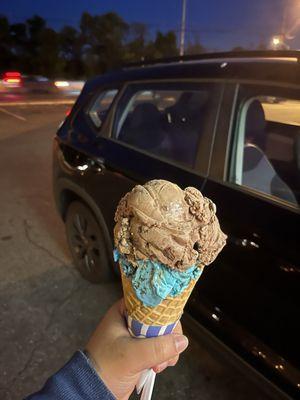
164, 236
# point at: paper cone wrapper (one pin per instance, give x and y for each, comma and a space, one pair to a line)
165, 315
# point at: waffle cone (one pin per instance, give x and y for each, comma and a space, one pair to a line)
165, 313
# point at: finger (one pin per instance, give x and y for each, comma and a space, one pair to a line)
115, 321
122, 308
173, 361
178, 328
170, 363
159, 368
155, 351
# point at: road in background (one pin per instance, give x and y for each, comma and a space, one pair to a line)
34, 85
47, 310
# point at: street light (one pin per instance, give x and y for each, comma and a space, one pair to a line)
278, 43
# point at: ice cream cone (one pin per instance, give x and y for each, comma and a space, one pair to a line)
167, 312
164, 236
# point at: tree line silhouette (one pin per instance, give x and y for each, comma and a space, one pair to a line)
100, 43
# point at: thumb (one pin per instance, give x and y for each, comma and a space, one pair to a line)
154, 351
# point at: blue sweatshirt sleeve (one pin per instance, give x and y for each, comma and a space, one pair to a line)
77, 380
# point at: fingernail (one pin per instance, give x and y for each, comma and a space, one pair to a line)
181, 343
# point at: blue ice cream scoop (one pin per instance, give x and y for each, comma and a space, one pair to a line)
153, 281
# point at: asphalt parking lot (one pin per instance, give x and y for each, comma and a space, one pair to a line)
47, 310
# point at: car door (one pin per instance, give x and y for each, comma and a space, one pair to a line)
156, 130
253, 288
76, 160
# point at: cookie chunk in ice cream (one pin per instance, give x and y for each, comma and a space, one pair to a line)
161, 222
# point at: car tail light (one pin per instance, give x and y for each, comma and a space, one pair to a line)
12, 80
12, 77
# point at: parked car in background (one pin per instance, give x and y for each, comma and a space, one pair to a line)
15, 82
228, 124
37, 84
11, 80
67, 88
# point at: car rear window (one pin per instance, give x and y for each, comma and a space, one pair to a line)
266, 152
100, 106
167, 119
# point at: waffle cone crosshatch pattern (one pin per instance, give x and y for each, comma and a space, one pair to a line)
167, 312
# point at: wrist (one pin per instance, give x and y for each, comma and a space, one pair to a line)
91, 360
106, 378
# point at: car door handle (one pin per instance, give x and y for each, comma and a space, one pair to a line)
97, 165
243, 242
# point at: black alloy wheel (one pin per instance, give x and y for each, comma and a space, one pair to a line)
87, 244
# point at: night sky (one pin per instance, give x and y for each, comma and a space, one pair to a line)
218, 24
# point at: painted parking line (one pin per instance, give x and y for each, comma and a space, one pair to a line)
37, 103
13, 114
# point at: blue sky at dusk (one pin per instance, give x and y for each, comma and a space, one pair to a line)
218, 24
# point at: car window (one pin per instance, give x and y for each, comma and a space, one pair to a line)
100, 106
167, 119
266, 147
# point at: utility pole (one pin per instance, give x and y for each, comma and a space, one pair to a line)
283, 22
182, 32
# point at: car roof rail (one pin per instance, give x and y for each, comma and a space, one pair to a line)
225, 55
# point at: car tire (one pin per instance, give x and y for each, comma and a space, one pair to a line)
87, 244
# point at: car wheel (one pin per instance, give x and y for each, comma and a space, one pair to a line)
87, 244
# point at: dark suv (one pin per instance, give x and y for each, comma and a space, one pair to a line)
228, 124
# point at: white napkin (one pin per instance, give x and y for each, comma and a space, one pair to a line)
146, 384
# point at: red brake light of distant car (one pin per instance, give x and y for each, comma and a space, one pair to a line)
8, 75
12, 77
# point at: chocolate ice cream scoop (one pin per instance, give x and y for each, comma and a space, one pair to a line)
159, 221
